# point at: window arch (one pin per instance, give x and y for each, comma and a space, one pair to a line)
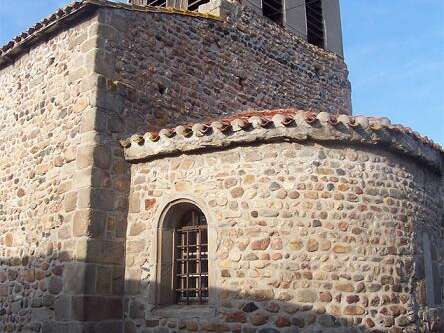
182, 261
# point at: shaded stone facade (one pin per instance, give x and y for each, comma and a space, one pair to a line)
190, 68
297, 227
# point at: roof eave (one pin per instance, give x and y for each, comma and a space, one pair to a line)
22, 45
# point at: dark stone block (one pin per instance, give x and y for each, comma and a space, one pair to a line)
249, 307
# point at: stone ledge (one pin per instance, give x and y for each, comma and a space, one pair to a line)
288, 124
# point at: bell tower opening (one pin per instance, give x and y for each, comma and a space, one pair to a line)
315, 22
273, 10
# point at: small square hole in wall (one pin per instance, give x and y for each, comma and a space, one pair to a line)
241, 81
162, 88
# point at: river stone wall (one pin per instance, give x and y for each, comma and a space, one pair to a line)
43, 96
59, 258
172, 68
111, 72
308, 237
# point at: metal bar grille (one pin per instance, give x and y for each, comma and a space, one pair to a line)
192, 261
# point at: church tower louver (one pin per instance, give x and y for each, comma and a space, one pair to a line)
194, 166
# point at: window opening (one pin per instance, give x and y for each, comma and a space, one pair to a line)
191, 242
193, 5
273, 10
315, 22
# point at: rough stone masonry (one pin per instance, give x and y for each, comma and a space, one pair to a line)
309, 231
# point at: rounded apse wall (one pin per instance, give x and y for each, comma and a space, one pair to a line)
305, 236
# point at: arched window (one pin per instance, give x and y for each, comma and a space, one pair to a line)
182, 260
191, 240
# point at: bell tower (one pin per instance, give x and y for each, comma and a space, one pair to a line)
317, 21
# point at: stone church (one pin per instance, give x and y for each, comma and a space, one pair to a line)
195, 166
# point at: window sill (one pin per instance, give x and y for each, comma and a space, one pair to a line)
184, 311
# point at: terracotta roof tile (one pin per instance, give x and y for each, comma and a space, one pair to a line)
59, 15
288, 123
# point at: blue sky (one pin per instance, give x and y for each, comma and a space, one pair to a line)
394, 50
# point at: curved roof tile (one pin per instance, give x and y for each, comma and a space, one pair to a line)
290, 124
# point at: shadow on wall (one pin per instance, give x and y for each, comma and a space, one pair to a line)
44, 294
261, 312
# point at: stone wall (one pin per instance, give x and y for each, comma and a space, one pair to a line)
307, 236
64, 191
59, 247
175, 68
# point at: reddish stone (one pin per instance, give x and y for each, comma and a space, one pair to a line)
260, 244
236, 317
369, 322
325, 296
149, 203
352, 299
343, 226
282, 321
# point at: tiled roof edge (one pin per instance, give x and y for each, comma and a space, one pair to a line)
21, 43
285, 124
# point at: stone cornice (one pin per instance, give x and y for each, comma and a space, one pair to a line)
288, 124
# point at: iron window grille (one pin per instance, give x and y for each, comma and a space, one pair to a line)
191, 259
